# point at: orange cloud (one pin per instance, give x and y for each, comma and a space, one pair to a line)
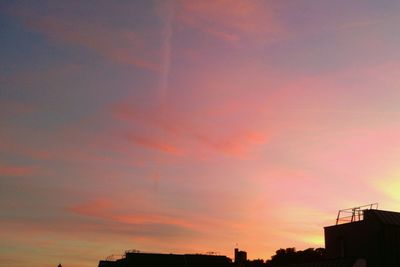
106, 209
97, 207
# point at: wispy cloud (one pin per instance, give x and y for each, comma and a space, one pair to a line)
117, 213
154, 144
17, 170
178, 128
120, 45
229, 20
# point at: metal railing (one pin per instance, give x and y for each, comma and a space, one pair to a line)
354, 214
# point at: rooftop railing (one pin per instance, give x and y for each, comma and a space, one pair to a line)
354, 214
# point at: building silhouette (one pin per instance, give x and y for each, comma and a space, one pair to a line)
362, 237
375, 237
240, 256
138, 259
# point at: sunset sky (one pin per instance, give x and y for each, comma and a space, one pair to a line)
192, 126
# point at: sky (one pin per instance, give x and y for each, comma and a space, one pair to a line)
185, 126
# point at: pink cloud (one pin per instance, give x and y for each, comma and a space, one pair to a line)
156, 144
228, 20
152, 218
236, 144
157, 117
17, 171
96, 207
233, 141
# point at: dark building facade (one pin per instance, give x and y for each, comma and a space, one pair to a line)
138, 259
240, 256
375, 238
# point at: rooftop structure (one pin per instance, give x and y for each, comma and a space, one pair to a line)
371, 234
354, 214
362, 237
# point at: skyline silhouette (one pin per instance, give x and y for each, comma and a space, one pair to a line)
371, 238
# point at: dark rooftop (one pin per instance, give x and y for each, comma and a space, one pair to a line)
385, 217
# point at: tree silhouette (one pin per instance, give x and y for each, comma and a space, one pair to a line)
291, 256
